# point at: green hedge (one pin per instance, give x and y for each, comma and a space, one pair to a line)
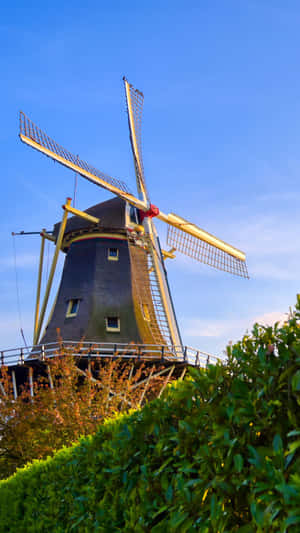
218, 453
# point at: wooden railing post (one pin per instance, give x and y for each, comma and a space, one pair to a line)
21, 359
31, 381
13, 375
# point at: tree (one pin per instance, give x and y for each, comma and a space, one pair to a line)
68, 401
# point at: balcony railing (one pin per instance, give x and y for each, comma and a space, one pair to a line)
186, 354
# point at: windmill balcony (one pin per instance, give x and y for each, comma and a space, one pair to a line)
145, 352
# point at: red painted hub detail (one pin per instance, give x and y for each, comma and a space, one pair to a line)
153, 211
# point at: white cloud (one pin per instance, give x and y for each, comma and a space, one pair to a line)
268, 319
269, 270
271, 245
269, 235
229, 328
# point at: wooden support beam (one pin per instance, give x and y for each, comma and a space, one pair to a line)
155, 376
108, 391
81, 214
166, 381
169, 254
146, 386
129, 381
39, 282
48, 236
140, 383
99, 384
13, 376
182, 374
50, 377
43, 353
30, 371
52, 271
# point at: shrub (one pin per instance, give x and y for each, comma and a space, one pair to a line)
218, 452
34, 427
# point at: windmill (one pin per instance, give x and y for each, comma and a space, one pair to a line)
114, 285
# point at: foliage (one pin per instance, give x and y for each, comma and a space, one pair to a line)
33, 427
218, 452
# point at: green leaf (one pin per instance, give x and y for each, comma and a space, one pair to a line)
293, 446
169, 493
193, 482
213, 506
256, 459
296, 382
287, 491
78, 521
289, 459
292, 520
177, 519
163, 466
160, 510
262, 355
194, 372
238, 462
257, 514
248, 528
293, 433
277, 443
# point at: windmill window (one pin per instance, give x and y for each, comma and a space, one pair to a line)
112, 323
72, 308
133, 215
113, 254
146, 312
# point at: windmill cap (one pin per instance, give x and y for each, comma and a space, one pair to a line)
111, 214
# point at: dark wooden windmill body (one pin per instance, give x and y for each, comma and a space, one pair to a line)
104, 294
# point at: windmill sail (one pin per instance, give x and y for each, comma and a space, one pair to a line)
33, 136
161, 299
205, 253
134, 100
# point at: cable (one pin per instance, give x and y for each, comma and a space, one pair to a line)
18, 292
75, 184
75, 189
47, 262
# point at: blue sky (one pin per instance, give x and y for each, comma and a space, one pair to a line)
221, 135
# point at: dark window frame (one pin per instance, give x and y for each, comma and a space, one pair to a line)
71, 312
112, 257
110, 327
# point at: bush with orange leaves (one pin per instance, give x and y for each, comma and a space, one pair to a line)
70, 400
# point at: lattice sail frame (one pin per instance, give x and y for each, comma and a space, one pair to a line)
205, 253
31, 131
135, 105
